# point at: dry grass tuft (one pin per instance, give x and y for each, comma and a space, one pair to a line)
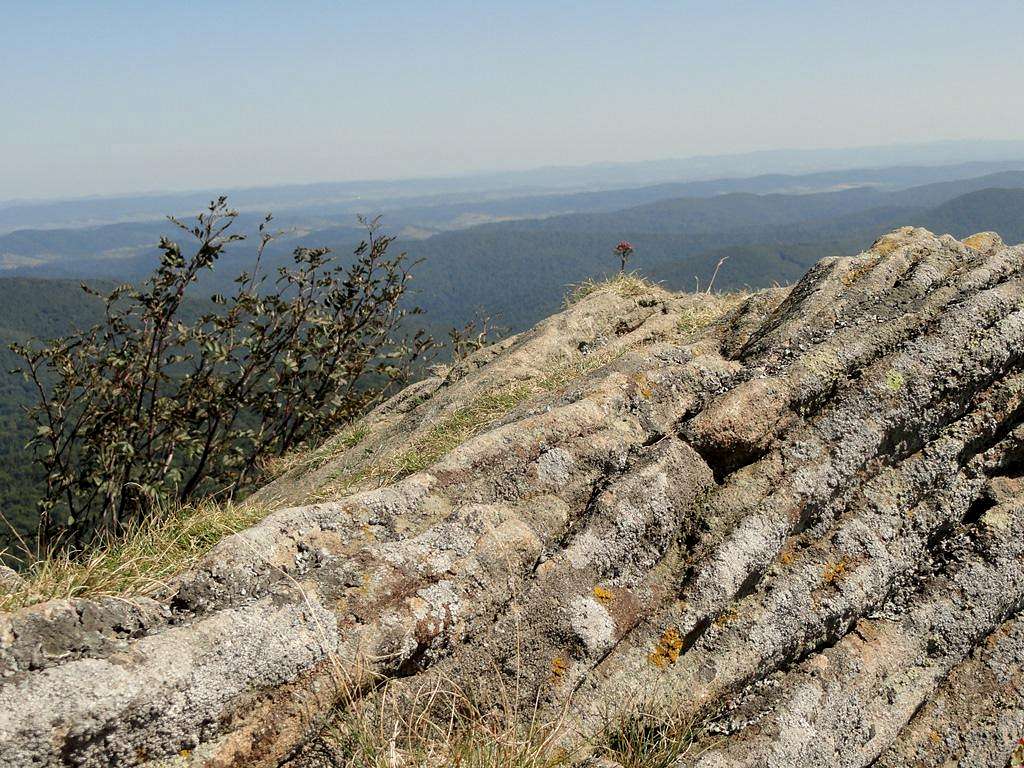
439, 726
309, 459
139, 562
706, 309
649, 739
434, 726
629, 285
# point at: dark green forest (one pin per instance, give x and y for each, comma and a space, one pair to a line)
29, 307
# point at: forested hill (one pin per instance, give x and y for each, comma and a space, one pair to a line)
520, 269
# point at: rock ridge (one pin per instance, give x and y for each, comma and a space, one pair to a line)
795, 517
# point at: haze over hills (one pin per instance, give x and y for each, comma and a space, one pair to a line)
519, 268
57, 247
899, 165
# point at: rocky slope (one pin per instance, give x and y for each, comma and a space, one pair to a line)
795, 518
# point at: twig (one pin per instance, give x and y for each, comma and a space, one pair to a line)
718, 266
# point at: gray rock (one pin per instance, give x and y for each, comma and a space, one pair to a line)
9, 578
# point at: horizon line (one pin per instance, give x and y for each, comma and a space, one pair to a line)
597, 164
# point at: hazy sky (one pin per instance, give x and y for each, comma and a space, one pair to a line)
103, 97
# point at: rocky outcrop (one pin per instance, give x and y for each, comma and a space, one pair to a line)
795, 518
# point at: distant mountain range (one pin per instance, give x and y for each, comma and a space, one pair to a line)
770, 227
519, 267
765, 171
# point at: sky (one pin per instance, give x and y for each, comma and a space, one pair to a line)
102, 97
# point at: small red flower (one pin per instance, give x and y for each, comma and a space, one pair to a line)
624, 250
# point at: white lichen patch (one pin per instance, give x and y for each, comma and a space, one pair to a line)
584, 550
591, 624
554, 467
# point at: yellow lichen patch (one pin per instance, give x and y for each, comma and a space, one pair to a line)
1017, 756
983, 241
603, 595
997, 518
787, 557
886, 244
895, 381
823, 362
834, 571
559, 666
934, 737
643, 384
727, 617
669, 646
858, 271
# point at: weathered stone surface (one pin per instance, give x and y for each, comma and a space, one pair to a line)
801, 525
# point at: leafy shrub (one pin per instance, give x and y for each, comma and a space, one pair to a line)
152, 405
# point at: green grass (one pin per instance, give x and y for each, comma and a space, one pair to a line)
461, 425
451, 431
307, 459
649, 739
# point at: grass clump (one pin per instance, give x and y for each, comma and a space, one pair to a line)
649, 740
138, 562
461, 425
437, 729
627, 285
700, 314
308, 459
438, 725
448, 433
